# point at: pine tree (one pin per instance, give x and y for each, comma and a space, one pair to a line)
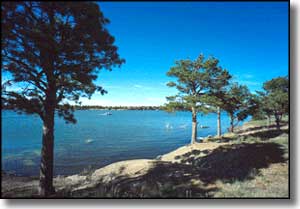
195, 81
53, 51
275, 98
239, 103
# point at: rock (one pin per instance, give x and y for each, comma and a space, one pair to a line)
158, 157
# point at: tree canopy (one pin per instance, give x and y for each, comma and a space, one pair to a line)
274, 100
60, 46
195, 79
238, 102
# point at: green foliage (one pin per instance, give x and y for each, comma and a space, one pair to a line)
54, 52
196, 81
274, 100
239, 103
259, 114
279, 84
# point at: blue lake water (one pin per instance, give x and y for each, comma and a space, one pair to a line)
97, 140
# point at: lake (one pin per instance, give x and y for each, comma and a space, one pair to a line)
97, 140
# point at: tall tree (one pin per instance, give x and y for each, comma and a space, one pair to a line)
217, 97
239, 103
194, 82
275, 98
53, 51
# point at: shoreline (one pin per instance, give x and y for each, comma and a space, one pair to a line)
164, 157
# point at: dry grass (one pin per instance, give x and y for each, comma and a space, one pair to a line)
271, 182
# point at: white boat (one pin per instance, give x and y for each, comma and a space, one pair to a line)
88, 141
106, 113
169, 126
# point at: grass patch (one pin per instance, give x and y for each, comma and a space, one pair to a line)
257, 123
269, 182
272, 182
265, 122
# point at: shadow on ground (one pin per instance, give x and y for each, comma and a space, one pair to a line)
268, 134
194, 176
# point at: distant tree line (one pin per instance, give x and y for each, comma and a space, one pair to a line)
7, 106
88, 107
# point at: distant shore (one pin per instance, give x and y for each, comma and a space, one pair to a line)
98, 107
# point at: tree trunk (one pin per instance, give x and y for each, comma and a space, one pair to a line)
231, 124
277, 119
46, 188
219, 122
46, 168
47, 154
269, 120
194, 126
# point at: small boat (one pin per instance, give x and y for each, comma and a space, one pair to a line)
201, 126
88, 141
106, 113
168, 126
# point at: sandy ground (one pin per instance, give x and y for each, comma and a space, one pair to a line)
171, 156
128, 168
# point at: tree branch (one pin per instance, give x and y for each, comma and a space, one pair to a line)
37, 82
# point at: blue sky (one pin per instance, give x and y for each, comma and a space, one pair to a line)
249, 38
